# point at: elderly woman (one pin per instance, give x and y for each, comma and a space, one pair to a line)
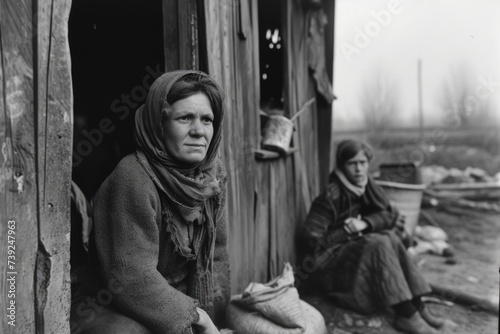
159, 227
354, 236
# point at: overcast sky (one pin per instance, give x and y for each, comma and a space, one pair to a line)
389, 36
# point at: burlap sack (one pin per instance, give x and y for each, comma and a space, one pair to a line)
244, 322
274, 307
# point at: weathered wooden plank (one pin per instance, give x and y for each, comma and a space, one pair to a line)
273, 229
250, 93
295, 215
221, 63
246, 125
309, 134
237, 143
256, 64
262, 170
5, 183
170, 34
213, 43
261, 236
212, 50
244, 26
237, 252
55, 131
238, 209
19, 188
188, 34
325, 109
218, 53
290, 95
300, 87
296, 95
284, 242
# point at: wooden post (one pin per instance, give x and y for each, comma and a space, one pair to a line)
170, 35
188, 35
325, 116
180, 35
18, 183
54, 111
35, 139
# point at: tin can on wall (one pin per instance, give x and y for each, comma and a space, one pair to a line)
277, 134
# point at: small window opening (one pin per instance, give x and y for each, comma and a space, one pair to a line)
271, 55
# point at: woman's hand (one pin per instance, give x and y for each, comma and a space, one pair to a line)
354, 226
204, 324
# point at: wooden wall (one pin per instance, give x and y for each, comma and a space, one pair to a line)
35, 137
267, 199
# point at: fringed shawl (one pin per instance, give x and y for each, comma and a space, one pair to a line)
188, 187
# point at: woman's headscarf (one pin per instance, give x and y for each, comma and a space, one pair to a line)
187, 185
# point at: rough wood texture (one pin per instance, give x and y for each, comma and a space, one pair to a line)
17, 160
325, 116
300, 88
188, 34
268, 199
170, 34
54, 109
180, 34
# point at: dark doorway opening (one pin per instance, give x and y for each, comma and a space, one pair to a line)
116, 53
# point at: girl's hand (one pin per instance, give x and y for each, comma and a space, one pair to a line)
204, 324
354, 225
400, 223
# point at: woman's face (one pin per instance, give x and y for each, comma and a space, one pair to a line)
356, 169
189, 129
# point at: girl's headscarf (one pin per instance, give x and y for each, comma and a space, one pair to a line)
187, 185
373, 194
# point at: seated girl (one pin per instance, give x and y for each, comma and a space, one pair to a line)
354, 236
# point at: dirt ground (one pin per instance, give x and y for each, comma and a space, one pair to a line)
474, 269
475, 237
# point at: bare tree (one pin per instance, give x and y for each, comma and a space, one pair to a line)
379, 102
461, 106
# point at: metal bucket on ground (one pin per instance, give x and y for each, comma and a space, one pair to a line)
407, 199
277, 134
